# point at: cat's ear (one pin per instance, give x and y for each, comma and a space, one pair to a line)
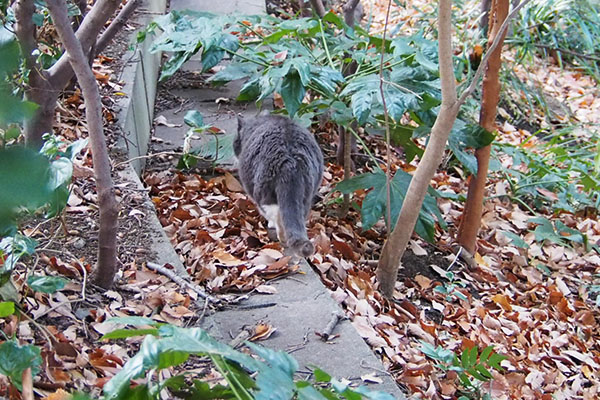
240, 121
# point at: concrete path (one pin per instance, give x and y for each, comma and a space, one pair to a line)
302, 305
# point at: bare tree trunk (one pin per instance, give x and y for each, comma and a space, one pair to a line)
394, 247
45, 85
471, 218
318, 7
107, 236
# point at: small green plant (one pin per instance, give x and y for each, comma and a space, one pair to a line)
567, 30
244, 377
450, 288
214, 146
472, 367
560, 173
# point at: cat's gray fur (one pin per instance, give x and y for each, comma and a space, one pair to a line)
281, 168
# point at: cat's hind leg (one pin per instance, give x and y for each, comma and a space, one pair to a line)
271, 214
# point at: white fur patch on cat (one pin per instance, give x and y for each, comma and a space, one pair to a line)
271, 213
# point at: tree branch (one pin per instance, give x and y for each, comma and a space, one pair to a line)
61, 72
116, 25
349, 8
25, 30
486, 56
317, 6
107, 236
394, 247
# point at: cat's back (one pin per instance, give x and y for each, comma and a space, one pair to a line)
273, 132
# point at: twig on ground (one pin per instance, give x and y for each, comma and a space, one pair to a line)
336, 317
182, 281
245, 334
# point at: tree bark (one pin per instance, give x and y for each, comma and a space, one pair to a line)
107, 237
318, 7
471, 218
394, 247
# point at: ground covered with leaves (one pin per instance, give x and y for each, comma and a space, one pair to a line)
531, 293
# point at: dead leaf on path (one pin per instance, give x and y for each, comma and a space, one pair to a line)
232, 183
262, 332
162, 120
266, 289
226, 258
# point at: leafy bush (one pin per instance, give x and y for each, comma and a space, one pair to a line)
568, 30
473, 367
302, 60
245, 377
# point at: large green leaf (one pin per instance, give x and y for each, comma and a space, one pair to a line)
361, 105
24, 177
233, 72
292, 92
375, 202
464, 137
14, 359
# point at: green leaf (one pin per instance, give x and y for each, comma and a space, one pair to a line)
486, 353
173, 64
495, 360
46, 284
321, 376
6, 308
375, 202
194, 119
484, 371
61, 171
133, 321
545, 230
126, 333
233, 72
361, 106
211, 57
24, 176
251, 90
308, 392
292, 92
15, 359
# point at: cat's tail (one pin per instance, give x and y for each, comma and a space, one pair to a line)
291, 198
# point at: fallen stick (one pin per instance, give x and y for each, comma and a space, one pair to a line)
336, 317
182, 282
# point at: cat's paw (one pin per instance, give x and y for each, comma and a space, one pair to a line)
272, 234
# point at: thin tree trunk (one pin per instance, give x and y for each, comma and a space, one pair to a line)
471, 218
318, 8
394, 247
107, 236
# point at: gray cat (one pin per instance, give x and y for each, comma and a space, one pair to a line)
281, 168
